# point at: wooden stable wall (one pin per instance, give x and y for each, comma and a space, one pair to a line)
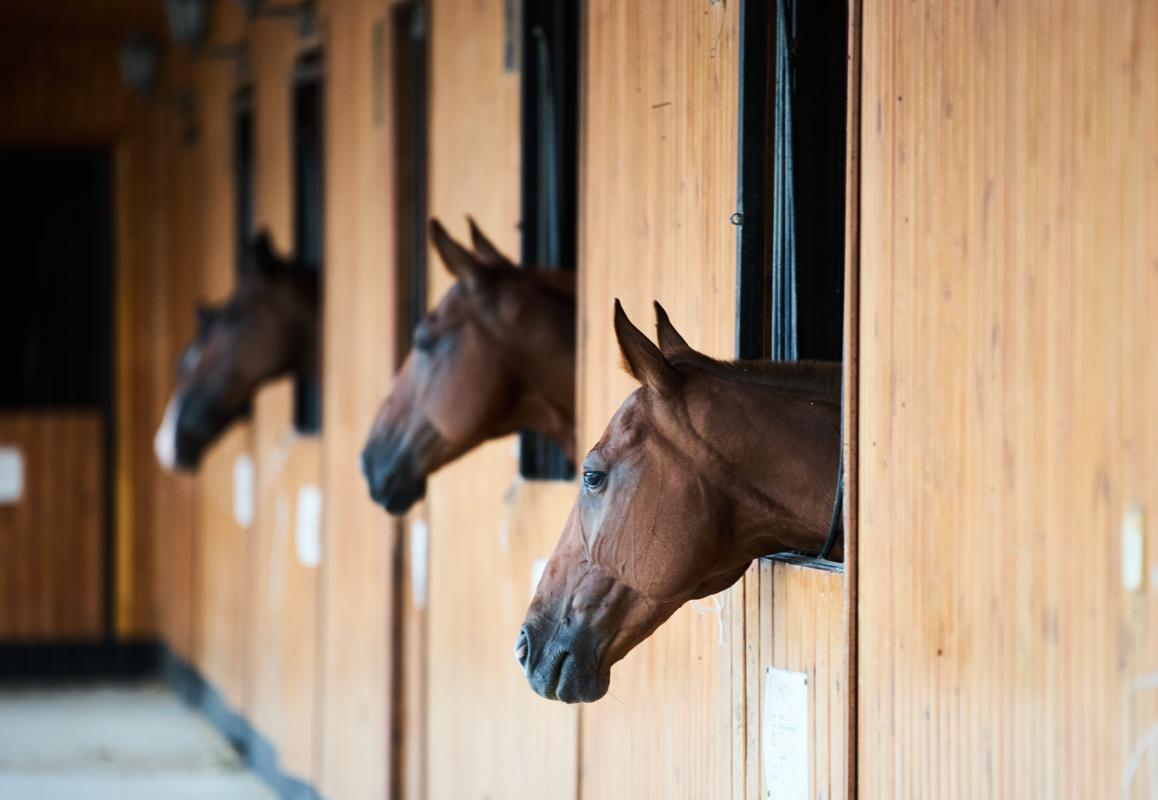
1008, 385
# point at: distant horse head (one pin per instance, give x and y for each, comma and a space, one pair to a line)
497, 355
266, 329
705, 467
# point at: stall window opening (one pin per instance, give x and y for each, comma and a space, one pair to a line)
308, 195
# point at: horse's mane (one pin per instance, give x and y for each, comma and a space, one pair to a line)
814, 377
555, 280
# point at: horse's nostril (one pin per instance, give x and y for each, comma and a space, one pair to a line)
522, 648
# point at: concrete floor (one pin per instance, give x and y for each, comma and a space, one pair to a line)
122, 742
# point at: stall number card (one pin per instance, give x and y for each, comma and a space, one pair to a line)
243, 490
784, 738
308, 529
419, 552
11, 475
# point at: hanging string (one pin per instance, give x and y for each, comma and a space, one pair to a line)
717, 609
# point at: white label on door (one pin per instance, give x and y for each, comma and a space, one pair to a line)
308, 526
785, 735
419, 552
243, 488
537, 567
11, 475
1132, 563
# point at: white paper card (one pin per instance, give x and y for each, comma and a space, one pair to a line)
419, 552
537, 567
784, 738
11, 475
243, 488
308, 526
1133, 567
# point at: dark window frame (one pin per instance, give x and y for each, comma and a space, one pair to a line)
784, 310
409, 32
244, 178
307, 121
791, 191
550, 173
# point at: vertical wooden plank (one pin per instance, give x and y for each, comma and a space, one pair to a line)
1006, 216
281, 641
221, 565
358, 345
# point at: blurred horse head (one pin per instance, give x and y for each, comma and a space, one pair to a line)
268, 328
496, 356
706, 466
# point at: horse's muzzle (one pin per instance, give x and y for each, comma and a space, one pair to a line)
391, 476
561, 666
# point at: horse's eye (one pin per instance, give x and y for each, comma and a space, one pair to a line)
593, 479
424, 340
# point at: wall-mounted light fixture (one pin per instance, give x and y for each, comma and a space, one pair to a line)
138, 60
188, 20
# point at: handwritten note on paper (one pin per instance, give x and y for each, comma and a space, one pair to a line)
784, 738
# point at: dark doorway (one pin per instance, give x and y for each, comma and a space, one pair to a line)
55, 305
56, 395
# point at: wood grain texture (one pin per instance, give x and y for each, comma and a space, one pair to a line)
52, 541
658, 170
358, 346
221, 568
1009, 252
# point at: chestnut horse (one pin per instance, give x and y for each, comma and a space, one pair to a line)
268, 328
705, 467
496, 356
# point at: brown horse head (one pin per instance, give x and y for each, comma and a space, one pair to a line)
497, 355
269, 327
705, 467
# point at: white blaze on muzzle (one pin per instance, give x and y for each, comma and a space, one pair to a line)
165, 442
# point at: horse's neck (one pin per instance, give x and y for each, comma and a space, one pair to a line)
543, 355
782, 448
301, 303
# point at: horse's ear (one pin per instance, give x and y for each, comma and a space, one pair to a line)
265, 261
670, 341
642, 358
460, 261
487, 252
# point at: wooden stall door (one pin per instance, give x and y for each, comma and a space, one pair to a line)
52, 537
488, 734
1009, 276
